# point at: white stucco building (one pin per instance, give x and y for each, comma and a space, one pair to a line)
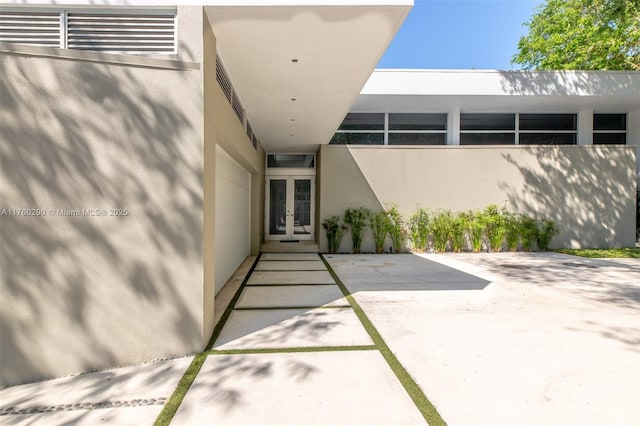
202, 132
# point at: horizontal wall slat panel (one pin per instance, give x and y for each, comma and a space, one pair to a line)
121, 32
43, 23
135, 31
33, 28
93, 25
20, 34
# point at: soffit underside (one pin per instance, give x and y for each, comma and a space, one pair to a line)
298, 70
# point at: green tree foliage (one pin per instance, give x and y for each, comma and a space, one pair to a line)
582, 35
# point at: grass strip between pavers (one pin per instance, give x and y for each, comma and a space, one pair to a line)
285, 285
426, 408
172, 405
289, 270
280, 308
292, 350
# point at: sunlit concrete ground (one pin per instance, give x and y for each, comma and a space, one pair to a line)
505, 339
492, 339
121, 396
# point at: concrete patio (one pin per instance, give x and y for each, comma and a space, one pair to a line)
488, 339
504, 339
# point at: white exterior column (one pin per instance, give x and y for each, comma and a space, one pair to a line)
633, 137
386, 128
453, 127
585, 127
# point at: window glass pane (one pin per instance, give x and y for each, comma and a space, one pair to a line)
417, 121
610, 138
487, 138
290, 160
302, 207
277, 206
363, 121
357, 139
548, 121
487, 121
417, 138
609, 121
547, 138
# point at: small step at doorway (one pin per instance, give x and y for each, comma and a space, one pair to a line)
290, 247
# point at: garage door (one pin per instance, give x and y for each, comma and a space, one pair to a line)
233, 217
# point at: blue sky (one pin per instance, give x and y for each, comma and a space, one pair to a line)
460, 34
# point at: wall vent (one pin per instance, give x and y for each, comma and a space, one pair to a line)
249, 130
123, 31
227, 88
237, 107
34, 28
223, 80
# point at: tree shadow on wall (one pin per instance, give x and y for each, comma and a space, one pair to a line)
598, 184
566, 83
82, 135
588, 191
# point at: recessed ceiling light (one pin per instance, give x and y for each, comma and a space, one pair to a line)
293, 99
293, 119
291, 134
294, 60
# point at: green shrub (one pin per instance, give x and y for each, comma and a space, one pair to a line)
459, 230
528, 232
357, 221
441, 227
475, 229
380, 226
547, 229
419, 229
397, 230
512, 224
494, 227
334, 228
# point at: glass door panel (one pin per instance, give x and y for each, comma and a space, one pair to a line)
290, 208
302, 207
277, 206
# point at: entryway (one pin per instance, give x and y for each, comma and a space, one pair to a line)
290, 208
290, 202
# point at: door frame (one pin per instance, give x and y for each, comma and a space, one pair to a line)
290, 198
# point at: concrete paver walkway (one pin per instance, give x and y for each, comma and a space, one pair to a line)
293, 341
493, 339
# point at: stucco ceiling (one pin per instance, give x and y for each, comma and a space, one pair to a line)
297, 70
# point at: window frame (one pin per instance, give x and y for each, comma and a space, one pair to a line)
611, 132
386, 131
513, 131
517, 131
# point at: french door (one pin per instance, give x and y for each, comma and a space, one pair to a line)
290, 208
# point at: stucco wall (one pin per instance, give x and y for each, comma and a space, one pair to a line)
223, 131
85, 130
588, 190
81, 293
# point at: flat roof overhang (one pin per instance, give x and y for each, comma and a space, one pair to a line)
499, 91
298, 69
